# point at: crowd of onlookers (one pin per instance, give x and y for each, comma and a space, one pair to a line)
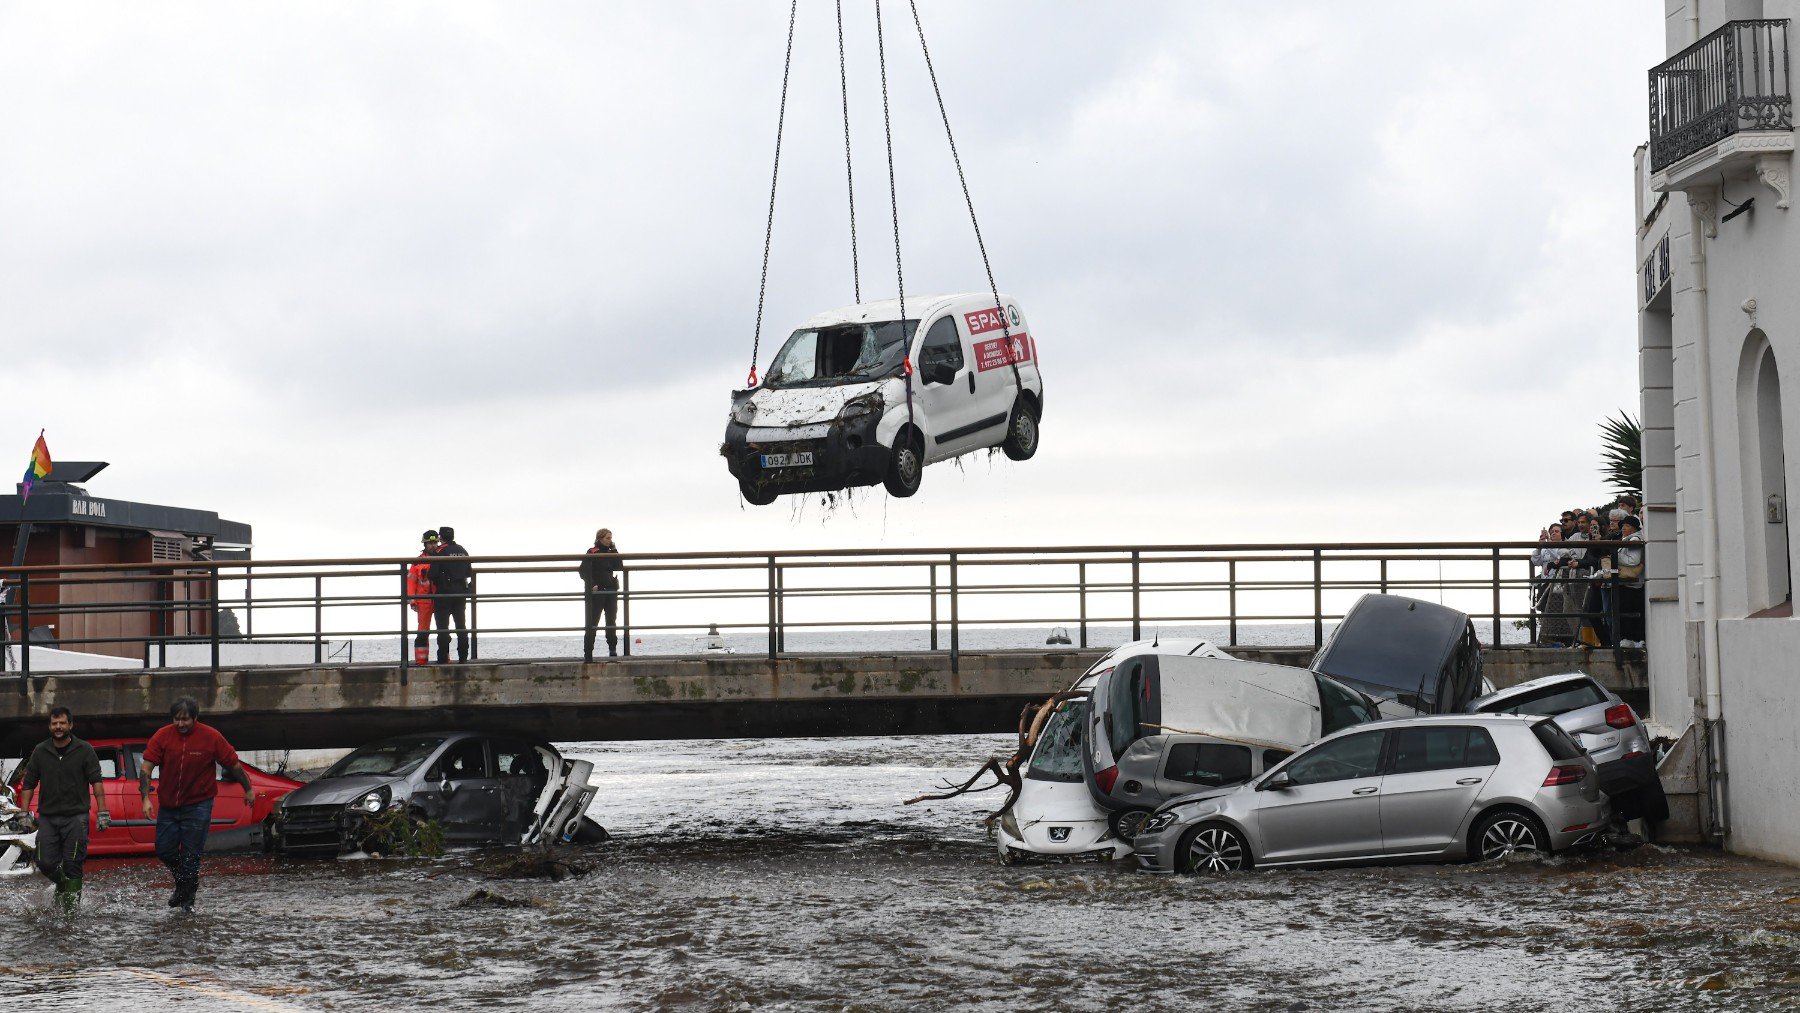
1590, 594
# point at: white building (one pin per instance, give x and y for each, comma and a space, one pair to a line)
1719, 330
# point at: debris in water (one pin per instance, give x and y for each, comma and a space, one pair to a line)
553, 864
485, 898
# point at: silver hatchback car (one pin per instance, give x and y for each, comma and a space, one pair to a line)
1432, 788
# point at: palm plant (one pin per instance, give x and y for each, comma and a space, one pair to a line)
1622, 453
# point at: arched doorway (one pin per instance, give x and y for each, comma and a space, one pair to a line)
1770, 577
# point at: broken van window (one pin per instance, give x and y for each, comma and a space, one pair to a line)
825, 356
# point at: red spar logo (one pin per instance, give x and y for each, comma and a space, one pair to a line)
982, 321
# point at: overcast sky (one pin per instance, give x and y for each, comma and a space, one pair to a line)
1298, 271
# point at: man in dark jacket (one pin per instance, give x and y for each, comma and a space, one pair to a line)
450, 573
67, 769
600, 590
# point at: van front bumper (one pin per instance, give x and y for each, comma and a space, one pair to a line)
845, 454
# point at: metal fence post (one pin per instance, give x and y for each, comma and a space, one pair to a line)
1318, 598
249, 605
774, 648
405, 648
213, 627
1231, 594
625, 607
24, 634
1082, 576
780, 608
934, 596
955, 617
1137, 624
1496, 596
1384, 582
474, 617
318, 620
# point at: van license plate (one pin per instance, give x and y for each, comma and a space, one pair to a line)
787, 460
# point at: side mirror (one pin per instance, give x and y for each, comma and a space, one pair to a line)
1280, 782
940, 372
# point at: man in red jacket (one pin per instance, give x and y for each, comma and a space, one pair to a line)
419, 591
186, 751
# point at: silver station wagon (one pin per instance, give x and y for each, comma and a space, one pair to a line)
1430, 788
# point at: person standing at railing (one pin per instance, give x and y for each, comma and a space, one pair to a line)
1553, 559
450, 581
1630, 589
600, 593
418, 594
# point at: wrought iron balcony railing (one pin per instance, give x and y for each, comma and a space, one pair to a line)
1733, 80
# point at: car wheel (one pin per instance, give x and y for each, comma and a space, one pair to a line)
1127, 822
1214, 848
757, 495
1508, 833
906, 465
1021, 432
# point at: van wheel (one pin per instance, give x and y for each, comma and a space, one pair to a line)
756, 495
590, 832
906, 465
1127, 822
1507, 833
1212, 848
1022, 432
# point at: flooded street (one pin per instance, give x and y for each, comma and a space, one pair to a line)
785, 874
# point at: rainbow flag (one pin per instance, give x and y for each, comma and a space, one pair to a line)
38, 466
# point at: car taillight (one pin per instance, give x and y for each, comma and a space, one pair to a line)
1106, 779
1634, 754
1620, 716
1565, 774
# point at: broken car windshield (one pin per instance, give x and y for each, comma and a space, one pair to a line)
825, 356
394, 757
1058, 753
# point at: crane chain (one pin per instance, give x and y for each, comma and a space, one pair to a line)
1005, 327
762, 286
849, 169
887, 126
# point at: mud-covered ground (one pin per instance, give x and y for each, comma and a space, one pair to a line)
784, 875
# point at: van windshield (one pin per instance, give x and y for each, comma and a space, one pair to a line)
845, 353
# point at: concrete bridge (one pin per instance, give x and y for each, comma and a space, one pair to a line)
713, 696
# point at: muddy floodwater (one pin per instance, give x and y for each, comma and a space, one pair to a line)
764, 874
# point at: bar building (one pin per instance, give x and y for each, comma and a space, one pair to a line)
1718, 257
63, 525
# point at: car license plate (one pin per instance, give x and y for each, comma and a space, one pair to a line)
787, 460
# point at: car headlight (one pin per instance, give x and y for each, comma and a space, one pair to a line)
743, 412
373, 801
856, 408
1157, 824
1010, 824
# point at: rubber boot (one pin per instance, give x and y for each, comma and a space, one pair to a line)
68, 895
420, 656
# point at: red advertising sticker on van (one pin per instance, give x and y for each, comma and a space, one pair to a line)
991, 354
982, 321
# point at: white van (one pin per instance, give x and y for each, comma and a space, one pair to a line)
833, 411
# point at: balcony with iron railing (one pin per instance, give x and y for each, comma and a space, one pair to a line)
1723, 104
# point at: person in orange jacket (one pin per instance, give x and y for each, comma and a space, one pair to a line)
419, 590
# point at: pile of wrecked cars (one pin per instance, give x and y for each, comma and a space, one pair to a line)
1390, 747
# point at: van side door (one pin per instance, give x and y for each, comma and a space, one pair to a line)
995, 347
944, 386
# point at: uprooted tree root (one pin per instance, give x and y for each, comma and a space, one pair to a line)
1005, 770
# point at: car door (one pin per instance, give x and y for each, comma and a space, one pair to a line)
944, 384
1331, 810
995, 348
473, 807
520, 773
1432, 781
119, 794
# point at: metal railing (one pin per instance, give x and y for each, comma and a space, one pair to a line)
932, 599
1734, 79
